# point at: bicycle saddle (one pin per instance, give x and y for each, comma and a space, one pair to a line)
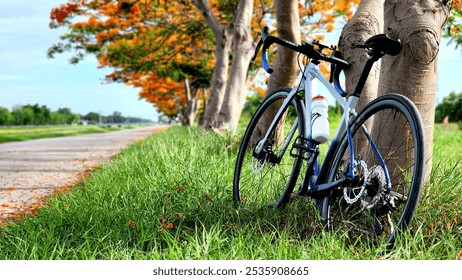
381, 43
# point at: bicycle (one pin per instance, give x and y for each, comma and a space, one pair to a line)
370, 179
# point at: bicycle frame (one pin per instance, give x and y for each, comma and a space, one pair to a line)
306, 78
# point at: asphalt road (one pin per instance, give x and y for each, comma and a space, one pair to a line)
32, 170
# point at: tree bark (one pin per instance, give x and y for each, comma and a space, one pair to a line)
188, 112
367, 21
227, 95
288, 27
413, 73
219, 79
223, 42
285, 64
242, 47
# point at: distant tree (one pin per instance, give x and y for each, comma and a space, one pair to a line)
92, 117
6, 117
69, 117
41, 114
117, 117
252, 103
23, 115
450, 106
56, 118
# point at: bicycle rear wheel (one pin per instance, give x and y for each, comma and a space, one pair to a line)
366, 207
269, 175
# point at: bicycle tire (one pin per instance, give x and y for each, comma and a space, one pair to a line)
371, 215
260, 180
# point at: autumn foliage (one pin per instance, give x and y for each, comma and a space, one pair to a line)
453, 27
61, 13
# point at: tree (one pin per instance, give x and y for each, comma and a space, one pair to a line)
451, 107
242, 47
68, 116
413, 74
142, 40
288, 27
227, 96
285, 66
418, 24
6, 118
23, 115
56, 118
366, 22
41, 114
92, 117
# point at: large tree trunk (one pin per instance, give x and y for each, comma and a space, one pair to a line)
367, 21
219, 79
235, 94
285, 64
227, 95
413, 73
223, 41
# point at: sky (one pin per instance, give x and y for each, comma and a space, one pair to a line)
27, 76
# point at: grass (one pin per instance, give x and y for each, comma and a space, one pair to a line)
169, 197
37, 132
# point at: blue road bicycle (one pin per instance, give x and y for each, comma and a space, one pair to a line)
370, 178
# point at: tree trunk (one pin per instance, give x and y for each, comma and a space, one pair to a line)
188, 113
413, 73
223, 41
219, 79
235, 93
367, 21
285, 64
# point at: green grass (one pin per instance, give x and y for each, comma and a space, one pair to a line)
169, 197
37, 132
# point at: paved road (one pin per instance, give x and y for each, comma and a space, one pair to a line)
31, 170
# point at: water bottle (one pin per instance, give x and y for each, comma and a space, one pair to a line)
319, 119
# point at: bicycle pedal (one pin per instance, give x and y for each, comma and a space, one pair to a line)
298, 152
300, 149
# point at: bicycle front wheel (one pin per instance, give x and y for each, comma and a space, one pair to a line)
388, 167
265, 171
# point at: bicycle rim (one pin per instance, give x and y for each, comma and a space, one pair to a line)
364, 207
269, 177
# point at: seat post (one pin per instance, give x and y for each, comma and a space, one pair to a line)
365, 73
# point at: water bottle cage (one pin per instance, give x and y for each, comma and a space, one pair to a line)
314, 116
